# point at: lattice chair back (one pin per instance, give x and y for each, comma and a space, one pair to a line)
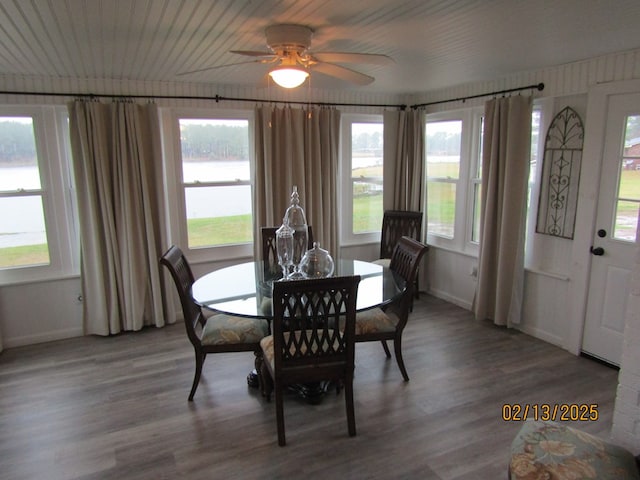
307, 316
396, 224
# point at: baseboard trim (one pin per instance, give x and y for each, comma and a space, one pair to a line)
450, 298
42, 337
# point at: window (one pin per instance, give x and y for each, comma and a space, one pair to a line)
215, 169
476, 179
453, 222
454, 175
38, 234
23, 240
362, 167
627, 205
443, 141
449, 148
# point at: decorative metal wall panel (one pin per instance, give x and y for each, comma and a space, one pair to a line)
560, 175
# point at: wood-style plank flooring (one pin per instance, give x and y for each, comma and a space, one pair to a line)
116, 408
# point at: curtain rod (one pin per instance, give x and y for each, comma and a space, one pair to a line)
217, 99
538, 86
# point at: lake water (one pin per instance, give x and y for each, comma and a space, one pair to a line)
21, 220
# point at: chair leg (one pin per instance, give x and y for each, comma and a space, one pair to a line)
196, 377
397, 347
266, 382
348, 398
386, 348
258, 366
280, 416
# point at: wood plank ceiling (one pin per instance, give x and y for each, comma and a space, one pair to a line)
435, 43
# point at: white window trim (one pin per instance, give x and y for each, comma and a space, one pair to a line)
176, 208
458, 241
58, 197
476, 114
345, 197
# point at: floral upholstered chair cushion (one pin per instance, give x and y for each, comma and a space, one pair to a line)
224, 329
554, 451
375, 321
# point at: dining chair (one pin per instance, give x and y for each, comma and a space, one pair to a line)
269, 250
308, 343
387, 323
396, 224
218, 333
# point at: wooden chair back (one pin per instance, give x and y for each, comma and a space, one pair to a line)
405, 261
396, 224
178, 266
308, 342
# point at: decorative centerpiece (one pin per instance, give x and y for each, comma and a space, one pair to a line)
295, 218
284, 247
316, 263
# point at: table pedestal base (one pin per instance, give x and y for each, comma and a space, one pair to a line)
312, 393
252, 379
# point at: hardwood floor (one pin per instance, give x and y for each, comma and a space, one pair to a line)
102, 408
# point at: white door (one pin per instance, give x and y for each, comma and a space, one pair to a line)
613, 244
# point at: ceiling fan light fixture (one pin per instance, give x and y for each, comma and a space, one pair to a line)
288, 76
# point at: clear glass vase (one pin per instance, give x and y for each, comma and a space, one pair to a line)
297, 221
284, 248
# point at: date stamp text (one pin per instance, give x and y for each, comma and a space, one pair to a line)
561, 412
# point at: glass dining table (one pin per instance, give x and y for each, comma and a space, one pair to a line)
245, 290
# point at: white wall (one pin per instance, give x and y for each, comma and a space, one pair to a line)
40, 311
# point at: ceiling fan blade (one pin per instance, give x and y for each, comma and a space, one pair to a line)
361, 58
253, 53
343, 73
198, 70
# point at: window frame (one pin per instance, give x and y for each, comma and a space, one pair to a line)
475, 176
345, 197
57, 191
176, 186
461, 224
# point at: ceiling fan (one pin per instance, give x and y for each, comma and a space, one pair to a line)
290, 56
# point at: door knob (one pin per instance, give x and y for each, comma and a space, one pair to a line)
598, 251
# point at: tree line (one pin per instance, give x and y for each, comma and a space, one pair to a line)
214, 142
17, 144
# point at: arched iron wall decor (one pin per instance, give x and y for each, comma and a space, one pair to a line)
560, 175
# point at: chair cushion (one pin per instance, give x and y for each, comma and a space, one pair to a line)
224, 329
268, 351
385, 262
375, 321
552, 450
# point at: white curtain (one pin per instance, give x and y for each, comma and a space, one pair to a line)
404, 137
117, 167
505, 171
297, 147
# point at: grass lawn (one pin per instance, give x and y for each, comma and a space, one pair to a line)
367, 216
24, 255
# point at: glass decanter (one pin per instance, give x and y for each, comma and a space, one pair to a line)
284, 248
297, 221
317, 263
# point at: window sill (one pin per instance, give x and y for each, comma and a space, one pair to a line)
27, 280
